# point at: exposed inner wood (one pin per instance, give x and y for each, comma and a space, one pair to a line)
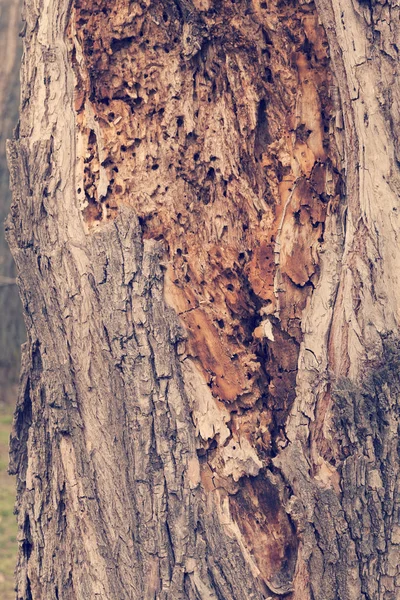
214, 122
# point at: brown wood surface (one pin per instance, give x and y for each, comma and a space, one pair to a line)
205, 226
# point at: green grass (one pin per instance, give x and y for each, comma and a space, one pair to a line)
8, 528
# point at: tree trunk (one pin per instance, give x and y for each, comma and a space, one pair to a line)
205, 225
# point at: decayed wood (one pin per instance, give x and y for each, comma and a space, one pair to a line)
204, 225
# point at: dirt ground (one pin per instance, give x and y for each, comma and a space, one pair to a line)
8, 529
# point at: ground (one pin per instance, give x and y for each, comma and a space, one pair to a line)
8, 527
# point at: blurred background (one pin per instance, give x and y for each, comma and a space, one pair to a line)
12, 332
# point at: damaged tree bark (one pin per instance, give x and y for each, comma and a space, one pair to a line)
205, 226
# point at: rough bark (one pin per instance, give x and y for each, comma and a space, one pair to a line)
204, 222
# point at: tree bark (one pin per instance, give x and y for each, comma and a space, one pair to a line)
205, 227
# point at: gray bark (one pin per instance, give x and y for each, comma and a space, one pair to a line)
204, 222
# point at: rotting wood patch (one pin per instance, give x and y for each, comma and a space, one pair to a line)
214, 125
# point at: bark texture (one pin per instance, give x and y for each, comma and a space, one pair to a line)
205, 218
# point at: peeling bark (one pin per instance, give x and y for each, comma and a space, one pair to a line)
204, 225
